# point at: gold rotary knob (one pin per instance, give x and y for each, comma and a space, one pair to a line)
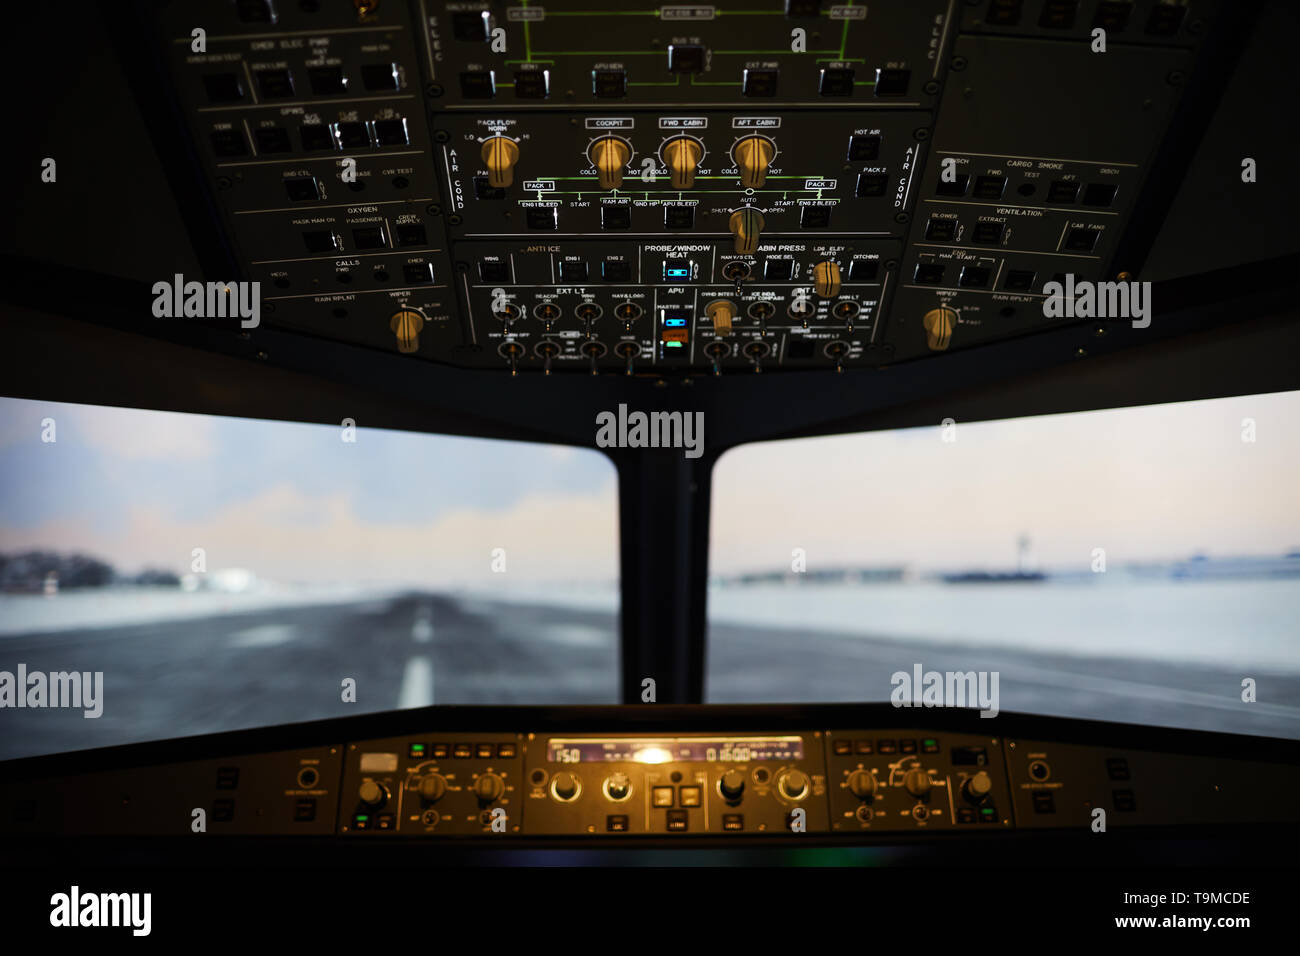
746, 224
500, 155
826, 279
609, 155
406, 325
721, 313
682, 154
753, 155
938, 324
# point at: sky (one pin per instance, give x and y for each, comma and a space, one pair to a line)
295, 503
1154, 482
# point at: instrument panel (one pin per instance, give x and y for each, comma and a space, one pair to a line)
708, 188
662, 779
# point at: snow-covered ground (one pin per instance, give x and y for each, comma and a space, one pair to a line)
115, 607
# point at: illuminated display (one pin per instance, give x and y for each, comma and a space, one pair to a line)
654, 750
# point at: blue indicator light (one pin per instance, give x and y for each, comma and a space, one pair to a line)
675, 323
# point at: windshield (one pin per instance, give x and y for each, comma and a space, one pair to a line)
221, 573
1138, 564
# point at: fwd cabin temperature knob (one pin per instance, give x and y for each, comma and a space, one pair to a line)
977, 788
938, 325
917, 782
609, 155
433, 787
826, 279
373, 794
862, 784
500, 155
682, 154
406, 325
732, 785
746, 224
753, 155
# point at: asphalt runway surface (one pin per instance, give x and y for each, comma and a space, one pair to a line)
233, 671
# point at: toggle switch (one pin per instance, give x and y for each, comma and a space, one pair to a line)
500, 155
406, 325
746, 224
938, 324
609, 155
683, 155
826, 279
753, 155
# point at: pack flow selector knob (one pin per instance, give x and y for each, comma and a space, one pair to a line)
406, 325
373, 794
433, 787
746, 224
721, 313
826, 279
565, 785
794, 784
917, 782
732, 784
609, 155
977, 787
682, 154
862, 784
500, 155
753, 155
489, 787
938, 324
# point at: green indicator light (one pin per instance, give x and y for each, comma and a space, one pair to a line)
929, 741
362, 818
987, 811
417, 748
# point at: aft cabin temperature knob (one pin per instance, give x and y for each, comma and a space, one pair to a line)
938, 324
917, 782
500, 155
373, 794
826, 279
746, 224
609, 155
753, 155
978, 787
862, 784
732, 785
682, 154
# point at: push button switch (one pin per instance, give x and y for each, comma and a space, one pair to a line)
609, 84
835, 81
